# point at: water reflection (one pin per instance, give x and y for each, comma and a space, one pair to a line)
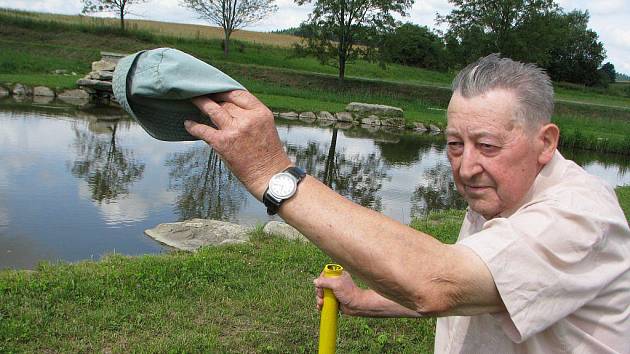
437, 193
114, 181
407, 149
359, 177
613, 168
108, 168
204, 185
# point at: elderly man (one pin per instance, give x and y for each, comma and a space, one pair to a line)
542, 260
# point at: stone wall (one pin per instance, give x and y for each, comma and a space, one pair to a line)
96, 87
357, 113
98, 83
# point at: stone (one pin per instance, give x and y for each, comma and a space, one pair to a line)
275, 114
308, 116
325, 123
103, 65
366, 109
372, 128
344, 117
104, 75
420, 127
112, 57
76, 97
192, 234
97, 85
343, 125
43, 91
284, 230
22, 90
393, 122
74, 93
4, 92
434, 128
21, 98
371, 120
288, 115
42, 100
323, 115
60, 72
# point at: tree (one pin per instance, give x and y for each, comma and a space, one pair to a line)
116, 7
608, 70
206, 188
489, 26
533, 31
108, 169
575, 53
414, 45
336, 26
231, 15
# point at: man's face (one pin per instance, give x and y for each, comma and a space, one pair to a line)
494, 162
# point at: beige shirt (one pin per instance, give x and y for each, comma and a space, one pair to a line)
561, 263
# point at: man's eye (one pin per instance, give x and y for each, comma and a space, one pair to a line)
455, 146
488, 147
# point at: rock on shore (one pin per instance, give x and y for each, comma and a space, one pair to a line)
192, 234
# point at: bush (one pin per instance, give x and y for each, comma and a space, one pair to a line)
415, 45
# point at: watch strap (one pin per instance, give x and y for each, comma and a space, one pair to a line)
274, 204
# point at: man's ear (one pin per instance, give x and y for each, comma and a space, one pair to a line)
547, 139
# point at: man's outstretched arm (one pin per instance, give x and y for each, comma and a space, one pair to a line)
404, 265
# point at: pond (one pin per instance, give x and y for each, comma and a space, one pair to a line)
78, 184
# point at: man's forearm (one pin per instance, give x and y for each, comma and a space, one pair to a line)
409, 267
372, 304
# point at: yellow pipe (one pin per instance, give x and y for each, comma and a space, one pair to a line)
328, 322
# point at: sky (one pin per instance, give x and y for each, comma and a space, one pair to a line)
609, 18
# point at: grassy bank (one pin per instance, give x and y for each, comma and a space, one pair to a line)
34, 45
244, 298
623, 193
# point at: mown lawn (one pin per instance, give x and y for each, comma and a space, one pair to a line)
243, 298
251, 298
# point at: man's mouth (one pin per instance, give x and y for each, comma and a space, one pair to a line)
476, 189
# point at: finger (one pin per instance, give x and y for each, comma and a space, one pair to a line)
217, 114
201, 131
323, 282
241, 98
320, 293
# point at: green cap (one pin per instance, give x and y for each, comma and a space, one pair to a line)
156, 86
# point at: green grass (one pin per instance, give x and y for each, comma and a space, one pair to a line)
623, 193
32, 47
605, 133
242, 298
109, 39
256, 297
591, 96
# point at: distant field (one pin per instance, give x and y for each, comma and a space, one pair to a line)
31, 48
164, 28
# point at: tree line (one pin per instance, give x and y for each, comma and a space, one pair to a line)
340, 31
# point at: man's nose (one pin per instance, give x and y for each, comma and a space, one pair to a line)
470, 165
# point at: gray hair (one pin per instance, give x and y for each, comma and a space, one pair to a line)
530, 83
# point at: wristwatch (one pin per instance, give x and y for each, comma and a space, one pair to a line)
282, 186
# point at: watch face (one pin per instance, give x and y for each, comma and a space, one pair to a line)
282, 186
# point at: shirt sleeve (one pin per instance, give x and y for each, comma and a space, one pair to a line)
545, 261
